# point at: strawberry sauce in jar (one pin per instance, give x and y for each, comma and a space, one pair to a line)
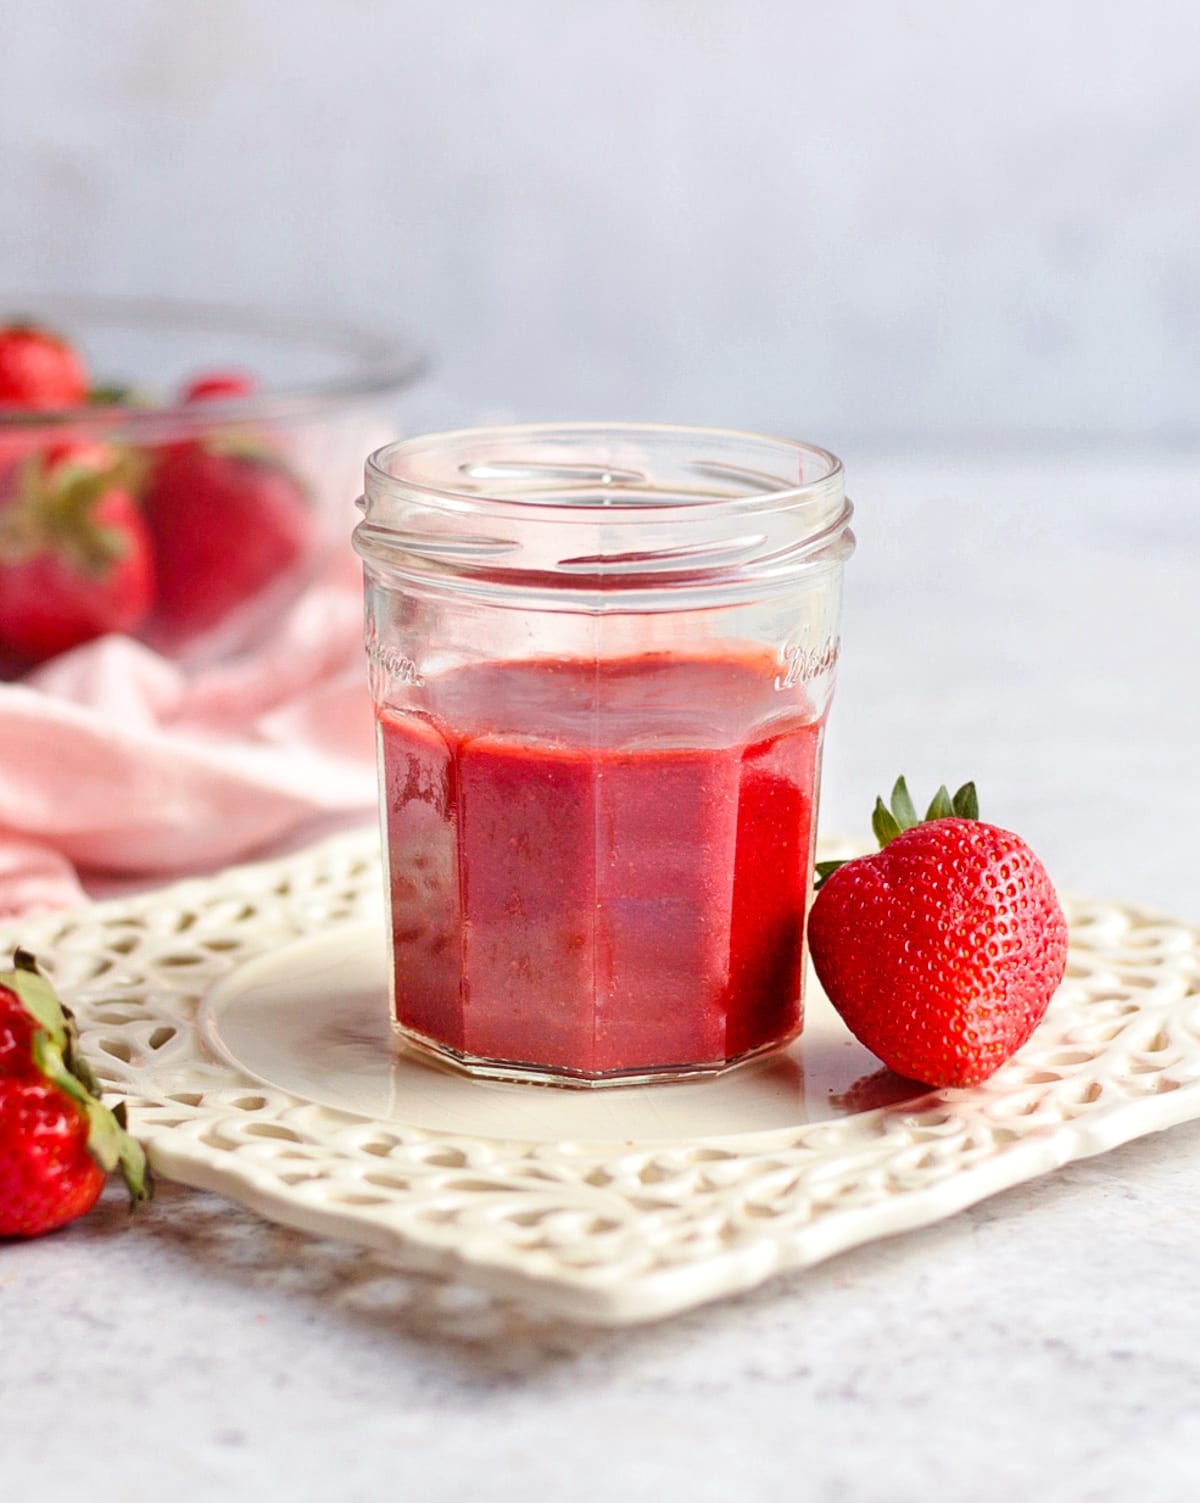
601, 658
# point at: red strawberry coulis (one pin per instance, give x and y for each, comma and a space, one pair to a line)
589, 878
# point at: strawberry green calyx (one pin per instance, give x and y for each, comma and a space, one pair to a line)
55, 512
118, 394
56, 1055
890, 821
902, 815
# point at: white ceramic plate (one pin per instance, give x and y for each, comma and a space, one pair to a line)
243, 1018
311, 1019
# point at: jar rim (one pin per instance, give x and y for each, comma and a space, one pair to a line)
598, 514
395, 469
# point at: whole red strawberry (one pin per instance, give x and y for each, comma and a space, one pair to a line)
58, 1142
39, 370
75, 555
942, 950
228, 521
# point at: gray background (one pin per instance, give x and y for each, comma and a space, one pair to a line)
870, 223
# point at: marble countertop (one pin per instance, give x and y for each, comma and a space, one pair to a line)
1029, 624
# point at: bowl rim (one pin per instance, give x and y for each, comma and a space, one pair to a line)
385, 362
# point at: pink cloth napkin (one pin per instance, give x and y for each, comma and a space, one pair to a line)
114, 759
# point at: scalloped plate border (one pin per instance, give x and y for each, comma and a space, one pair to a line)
603, 1234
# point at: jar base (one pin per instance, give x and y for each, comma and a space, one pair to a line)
556, 1075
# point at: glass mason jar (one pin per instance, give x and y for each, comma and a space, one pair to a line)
601, 658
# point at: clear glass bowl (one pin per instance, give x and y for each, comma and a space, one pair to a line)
326, 396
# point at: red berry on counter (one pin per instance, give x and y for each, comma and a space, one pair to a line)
58, 1142
47, 1175
39, 370
75, 557
942, 950
220, 386
227, 523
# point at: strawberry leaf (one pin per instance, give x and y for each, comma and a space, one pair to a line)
941, 807
966, 802
104, 1136
824, 870
885, 824
135, 1169
37, 997
73, 1059
903, 807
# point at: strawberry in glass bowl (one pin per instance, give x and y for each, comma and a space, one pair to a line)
224, 452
